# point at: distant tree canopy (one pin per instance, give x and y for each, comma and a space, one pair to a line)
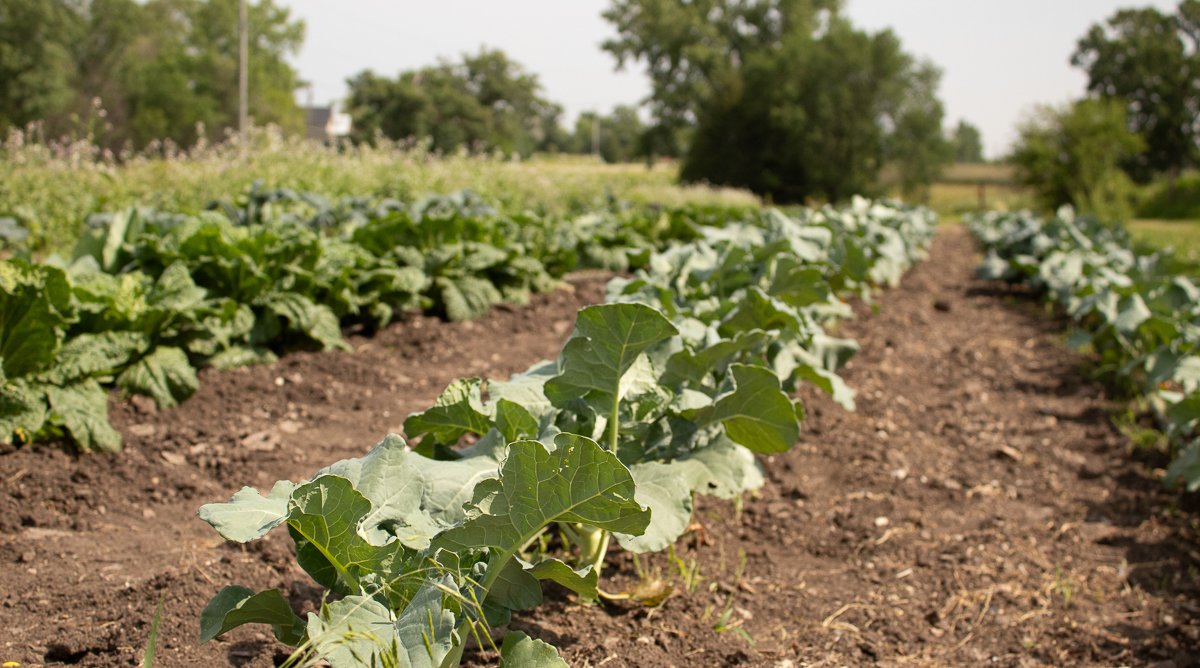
1149, 61
131, 72
621, 135
786, 97
967, 141
484, 101
1072, 155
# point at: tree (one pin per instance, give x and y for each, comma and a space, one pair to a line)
198, 61
124, 71
917, 145
786, 97
1148, 61
967, 141
1072, 155
621, 134
485, 101
36, 67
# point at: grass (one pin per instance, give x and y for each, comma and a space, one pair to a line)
1182, 235
954, 199
51, 188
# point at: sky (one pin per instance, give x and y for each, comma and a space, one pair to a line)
999, 59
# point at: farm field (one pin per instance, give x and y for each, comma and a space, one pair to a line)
1181, 235
610, 333
980, 504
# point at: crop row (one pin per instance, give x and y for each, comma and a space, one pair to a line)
148, 297
666, 391
1134, 311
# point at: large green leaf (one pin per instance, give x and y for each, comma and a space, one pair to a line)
514, 422
234, 606
35, 306
581, 581
165, 375
249, 515
316, 321
521, 651
576, 482
82, 409
607, 343
693, 366
390, 477
323, 518
666, 489
719, 468
756, 414
466, 297
175, 291
458, 411
89, 355
22, 407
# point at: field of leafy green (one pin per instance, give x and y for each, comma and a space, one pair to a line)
147, 297
666, 391
1137, 313
49, 190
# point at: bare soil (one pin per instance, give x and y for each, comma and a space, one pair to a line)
978, 507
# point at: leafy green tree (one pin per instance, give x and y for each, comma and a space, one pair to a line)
1149, 61
198, 62
1072, 155
127, 71
620, 134
917, 145
485, 101
967, 141
37, 70
787, 98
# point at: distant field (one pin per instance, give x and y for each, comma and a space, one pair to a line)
1182, 235
50, 191
972, 173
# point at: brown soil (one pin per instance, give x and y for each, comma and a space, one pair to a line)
979, 507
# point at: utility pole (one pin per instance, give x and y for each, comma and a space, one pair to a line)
243, 71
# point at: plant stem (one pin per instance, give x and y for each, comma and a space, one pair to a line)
454, 657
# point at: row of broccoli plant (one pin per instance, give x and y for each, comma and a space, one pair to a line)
665, 392
149, 297
1135, 311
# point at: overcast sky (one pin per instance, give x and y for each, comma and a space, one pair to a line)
999, 59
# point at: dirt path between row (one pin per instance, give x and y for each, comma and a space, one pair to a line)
978, 507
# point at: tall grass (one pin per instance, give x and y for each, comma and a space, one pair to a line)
51, 187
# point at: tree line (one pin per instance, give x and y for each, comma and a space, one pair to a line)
129, 73
784, 97
1139, 121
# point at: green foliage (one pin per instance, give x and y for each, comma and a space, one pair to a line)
621, 136
1073, 155
432, 545
967, 142
787, 99
35, 60
487, 101
149, 297
121, 72
1171, 200
1139, 317
48, 191
1147, 62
